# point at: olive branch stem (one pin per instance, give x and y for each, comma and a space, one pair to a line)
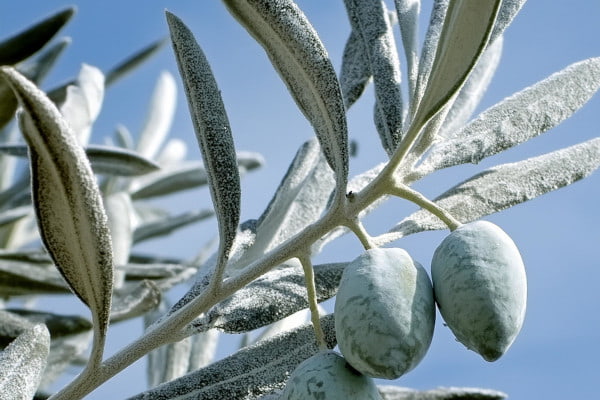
407, 193
309, 279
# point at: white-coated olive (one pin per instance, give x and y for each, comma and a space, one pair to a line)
480, 287
327, 376
384, 313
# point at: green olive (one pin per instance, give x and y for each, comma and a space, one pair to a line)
326, 375
480, 287
384, 313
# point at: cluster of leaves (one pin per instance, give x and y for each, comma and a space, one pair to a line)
107, 219
261, 272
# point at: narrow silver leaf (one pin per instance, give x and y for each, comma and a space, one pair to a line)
212, 131
408, 12
506, 14
274, 296
370, 19
117, 161
68, 204
25, 279
163, 275
118, 71
160, 116
389, 392
253, 371
249, 161
464, 36
13, 214
301, 60
432, 36
37, 69
299, 201
518, 118
23, 363
70, 338
170, 361
134, 301
470, 95
119, 211
21, 46
204, 349
168, 224
83, 102
104, 159
26, 43
183, 176
355, 73
506, 185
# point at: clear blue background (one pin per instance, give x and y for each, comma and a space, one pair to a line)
556, 355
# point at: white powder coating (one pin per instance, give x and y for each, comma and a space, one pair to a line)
23, 362
327, 376
481, 288
519, 118
506, 185
370, 20
384, 313
68, 205
301, 60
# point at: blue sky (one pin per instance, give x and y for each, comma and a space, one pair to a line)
556, 354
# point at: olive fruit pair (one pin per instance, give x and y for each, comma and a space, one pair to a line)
480, 287
326, 375
384, 313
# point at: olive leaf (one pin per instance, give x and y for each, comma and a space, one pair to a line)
135, 300
21, 46
70, 338
160, 116
355, 73
83, 102
432, 36
132, 62
121, 221
38, 67
213, 133
20, 278
506, 185
408, 18
24, 44
58, 94
519, 117
111, 160
250, 372
277, 294
176, 359
23, 363
68, 204
168, 224
35, 70
389, 392
470, 95
301, 60
370, 19
103, 159
299, 200
463, 37
182, 176
13, 214
506, 14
